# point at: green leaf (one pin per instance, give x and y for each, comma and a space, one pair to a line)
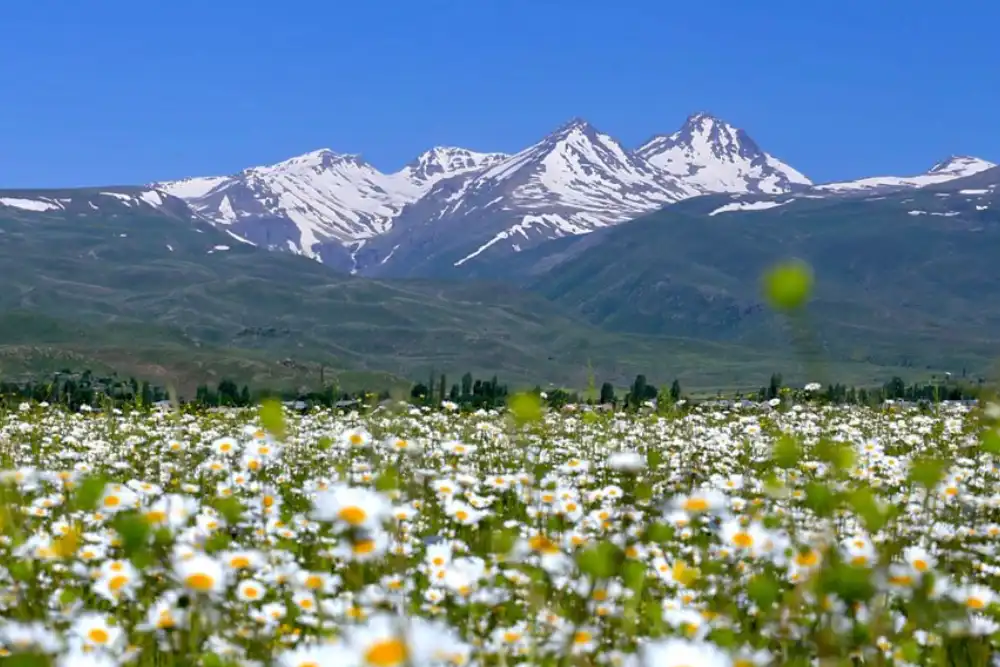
787, 285
927, 472
654, 457
990, 442
26, 660
89, 492
723, 637
866, 506
634, 575
218, 541
211, 660
388, 480
839, 455
820, 499
660, 533
230, 508
133, 529
851, 584
502, 541
786, 452
272, 418
600, 561
21, 571
526, 408
764, 590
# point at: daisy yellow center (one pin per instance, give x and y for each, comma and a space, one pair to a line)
268, 501
807, 559
356, 439
859, 560
352, 515
743, 540
98, 636
695, 505
313, 581
582, 637
239, 562
920, 565
200, 582
461, 515
117, 583
972, 602
156, 516
112, 501
363, 547
251, 592
543, 544
387, 653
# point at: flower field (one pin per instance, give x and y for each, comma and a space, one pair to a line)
803, 535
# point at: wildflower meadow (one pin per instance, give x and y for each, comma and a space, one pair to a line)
719, 536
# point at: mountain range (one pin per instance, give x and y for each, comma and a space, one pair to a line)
574, 255
452, 206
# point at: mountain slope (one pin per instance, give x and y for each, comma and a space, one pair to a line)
315, 204
713, 156
573, 181
152, 288
907, 277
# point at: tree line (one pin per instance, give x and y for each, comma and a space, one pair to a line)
469, 393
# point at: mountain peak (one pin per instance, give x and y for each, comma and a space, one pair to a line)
444, 161
716, 156
960, 165
319, 159
701, 117
575, 123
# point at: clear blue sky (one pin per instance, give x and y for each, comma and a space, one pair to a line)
122, 91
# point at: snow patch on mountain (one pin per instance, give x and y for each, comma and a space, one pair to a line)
36, 205
957, 166
191, 188
715, 157
749, 206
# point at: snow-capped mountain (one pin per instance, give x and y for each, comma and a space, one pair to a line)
573, 181
452, 205
315, 204
446, 161
713, 156
956, 166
